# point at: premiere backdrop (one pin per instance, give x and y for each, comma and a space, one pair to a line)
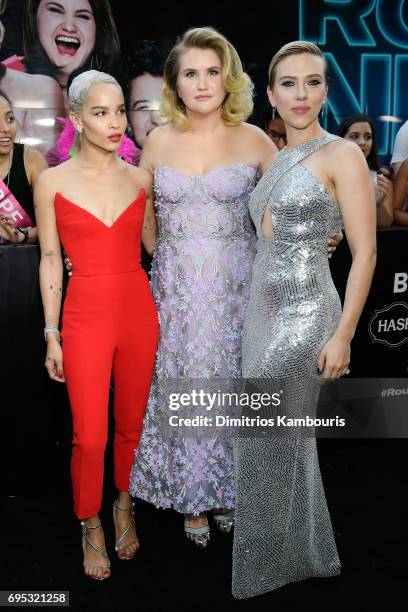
365, 41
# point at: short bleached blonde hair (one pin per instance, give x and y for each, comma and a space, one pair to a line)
81, 84
296, 47
238, 103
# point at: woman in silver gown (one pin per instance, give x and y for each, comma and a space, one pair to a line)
294, 326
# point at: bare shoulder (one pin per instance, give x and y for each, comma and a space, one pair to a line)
142, 176
34, 156
253, 134
257, 138
160, 135
343, 150
344, 156
251, 131
254, 139
50, 180
345, 162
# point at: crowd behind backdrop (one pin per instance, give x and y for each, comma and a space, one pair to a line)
44, 44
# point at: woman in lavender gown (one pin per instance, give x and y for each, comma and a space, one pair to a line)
205, 163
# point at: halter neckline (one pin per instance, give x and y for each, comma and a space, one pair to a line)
307, 142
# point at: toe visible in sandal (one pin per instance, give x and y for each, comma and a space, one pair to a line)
124, 533
87, 542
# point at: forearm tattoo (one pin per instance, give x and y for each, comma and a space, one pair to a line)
148, 224
56, 289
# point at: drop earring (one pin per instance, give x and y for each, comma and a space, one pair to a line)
323, 110
273, 113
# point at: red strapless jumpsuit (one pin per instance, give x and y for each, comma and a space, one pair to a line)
109, 325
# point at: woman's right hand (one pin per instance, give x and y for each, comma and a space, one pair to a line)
53, 360
8, 229
382, 188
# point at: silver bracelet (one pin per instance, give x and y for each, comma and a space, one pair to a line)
51, 328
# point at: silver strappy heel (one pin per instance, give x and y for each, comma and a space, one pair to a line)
86, 541
199, 535
119, 541
224, 520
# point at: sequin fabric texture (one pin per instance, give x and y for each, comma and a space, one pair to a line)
200, 281
283, 531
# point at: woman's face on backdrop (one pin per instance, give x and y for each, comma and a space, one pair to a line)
8, 127
144, 105
103, 117
361, 133
299, 89
67, 32
199, 82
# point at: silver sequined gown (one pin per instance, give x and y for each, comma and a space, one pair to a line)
283, 531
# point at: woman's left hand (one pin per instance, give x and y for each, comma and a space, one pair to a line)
8, 229
334, 358
334, 242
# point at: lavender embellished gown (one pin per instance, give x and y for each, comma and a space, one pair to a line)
200, 281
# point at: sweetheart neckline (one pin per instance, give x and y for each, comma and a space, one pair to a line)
208, 171
141, 192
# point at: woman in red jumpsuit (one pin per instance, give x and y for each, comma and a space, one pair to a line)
99, 208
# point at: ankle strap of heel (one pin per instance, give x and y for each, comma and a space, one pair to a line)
131, 508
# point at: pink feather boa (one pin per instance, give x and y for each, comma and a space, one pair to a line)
61, 151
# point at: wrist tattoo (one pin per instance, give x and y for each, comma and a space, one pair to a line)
148, 225
49, 253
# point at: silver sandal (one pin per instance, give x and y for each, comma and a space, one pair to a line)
224, 520
86, 541
131, 511
199, 535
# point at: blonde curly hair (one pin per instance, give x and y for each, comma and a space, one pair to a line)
238, 103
